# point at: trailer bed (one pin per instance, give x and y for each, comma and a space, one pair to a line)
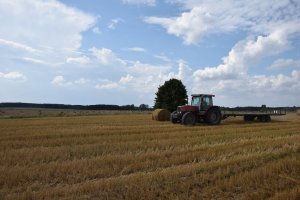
270, 112
263, 115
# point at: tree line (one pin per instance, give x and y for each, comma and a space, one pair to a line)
75, 107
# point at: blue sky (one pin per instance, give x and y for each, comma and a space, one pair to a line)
119, 51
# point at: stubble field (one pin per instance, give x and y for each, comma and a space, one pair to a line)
130, 156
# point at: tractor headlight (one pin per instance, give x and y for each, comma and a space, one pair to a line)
178, 110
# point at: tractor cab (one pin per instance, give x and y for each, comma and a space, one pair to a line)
203, 101
200, 109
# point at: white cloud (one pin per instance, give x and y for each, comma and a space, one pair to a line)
35, 61
82, 81
126, 79
114, 22
137, 49
15, 76
106, 56
60, 81
262, 84
46, 30
232, 75
141, 2
107, 86
275, 90
184, 71
145, 78
148, 69
16, 45
246, 54
141, 78
204, 17
96, 30
83, 60
163, 58
285, 63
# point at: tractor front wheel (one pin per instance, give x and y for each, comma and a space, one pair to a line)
189, 119
173, 119
213, 117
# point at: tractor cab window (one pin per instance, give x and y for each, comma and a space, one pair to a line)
195, 101
206, 102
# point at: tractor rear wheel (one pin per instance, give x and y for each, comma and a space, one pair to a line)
213, 116
189, 119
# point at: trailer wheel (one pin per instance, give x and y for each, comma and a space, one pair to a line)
213, 116
249, 118
189, 119
264, 118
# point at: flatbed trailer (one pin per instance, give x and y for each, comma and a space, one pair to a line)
262, 115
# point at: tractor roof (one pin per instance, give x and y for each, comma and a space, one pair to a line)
203, 95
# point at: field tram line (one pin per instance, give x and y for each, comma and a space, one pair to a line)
107, 130
54, 154
96, 135
162, 175
245, 183
56, 142
218, 158
83, 150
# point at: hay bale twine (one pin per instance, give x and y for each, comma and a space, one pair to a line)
161, 115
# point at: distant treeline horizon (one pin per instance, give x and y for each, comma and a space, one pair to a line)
118, 107
75, 107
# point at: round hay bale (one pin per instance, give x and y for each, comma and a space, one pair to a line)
161, 115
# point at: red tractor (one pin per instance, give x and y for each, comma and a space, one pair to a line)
200, 110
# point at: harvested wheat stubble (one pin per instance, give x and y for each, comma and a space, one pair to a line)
133, 157
161, 115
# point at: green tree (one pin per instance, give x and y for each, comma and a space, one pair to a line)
170, 95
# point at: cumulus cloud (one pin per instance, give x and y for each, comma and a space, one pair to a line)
284, 64
145, 78
202, 18
96, 30
262, 84
44, 30
126, 79
15, 76
271, 28
141, 2
106, 56
107, 86
82, 81
245, 54
60, 81
114, 22
232, 74
143, 68
83, 60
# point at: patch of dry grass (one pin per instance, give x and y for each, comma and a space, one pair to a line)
133, 157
